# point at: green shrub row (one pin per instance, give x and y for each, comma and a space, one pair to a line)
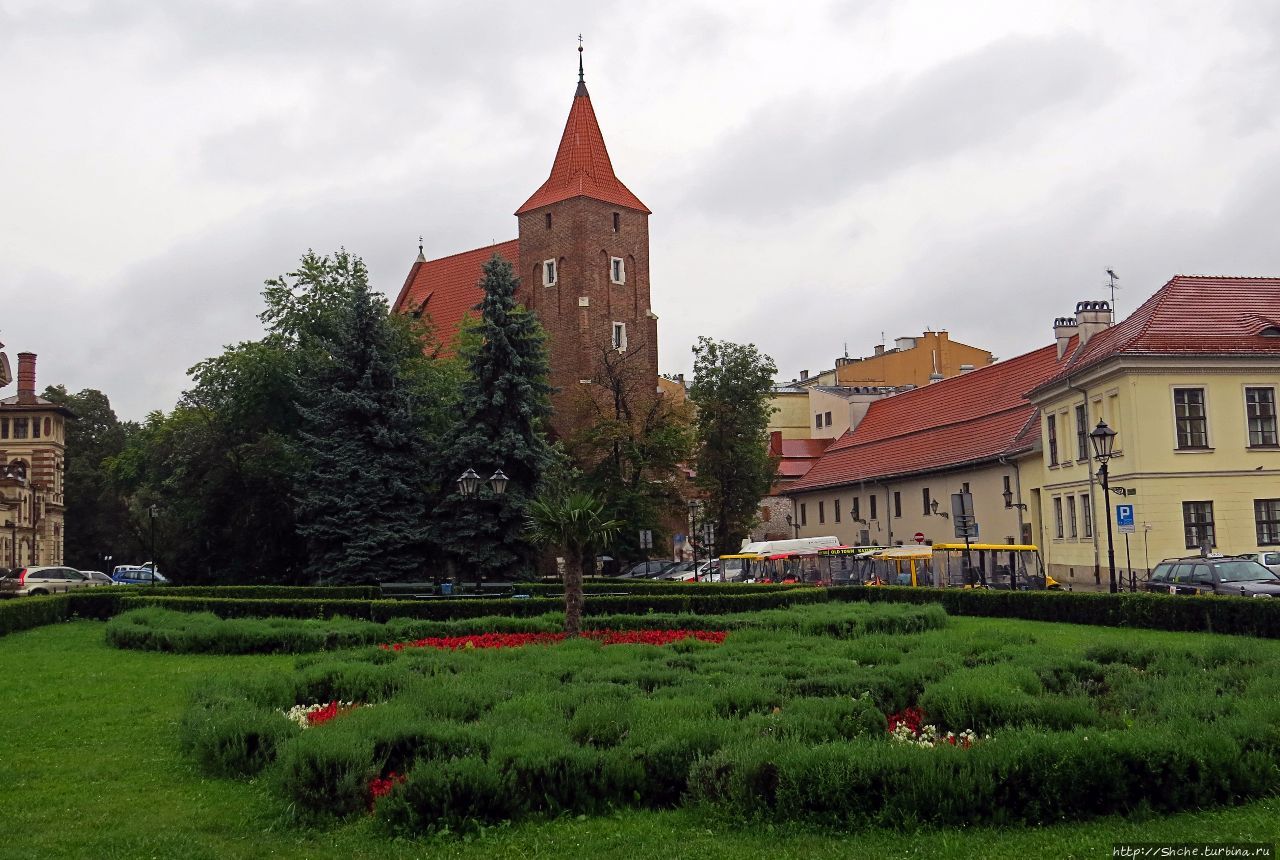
1237, 615
442, 609
650, 586
155, 628
269, 592
24, 613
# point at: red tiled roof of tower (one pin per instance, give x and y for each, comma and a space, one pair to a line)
1192, 314
448, 289
582, 167
977, 416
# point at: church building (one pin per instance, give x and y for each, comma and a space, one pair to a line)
582, 257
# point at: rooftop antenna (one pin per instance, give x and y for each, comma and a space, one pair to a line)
1114, 277
846, 349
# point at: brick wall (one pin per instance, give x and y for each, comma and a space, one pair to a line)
582, 239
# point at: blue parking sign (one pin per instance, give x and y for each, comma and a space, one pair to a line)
1124, 518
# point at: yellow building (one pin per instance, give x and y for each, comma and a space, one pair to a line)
1189, 382
32, 450
790, 412
913, 361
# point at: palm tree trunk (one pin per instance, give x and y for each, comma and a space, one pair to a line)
572, 593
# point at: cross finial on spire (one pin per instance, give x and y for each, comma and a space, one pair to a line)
421, 256
580, 77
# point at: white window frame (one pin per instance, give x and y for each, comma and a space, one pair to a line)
617, 270
550, 273
618, 336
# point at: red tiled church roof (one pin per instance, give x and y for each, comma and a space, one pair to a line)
971, 418
1192, 315
448, 289
582, 167
795, 456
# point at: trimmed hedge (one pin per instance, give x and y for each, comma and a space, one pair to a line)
157, 629
1236, 615
771, 725
269, 592
23, 613
446, 608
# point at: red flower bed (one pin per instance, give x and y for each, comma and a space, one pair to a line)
519, 640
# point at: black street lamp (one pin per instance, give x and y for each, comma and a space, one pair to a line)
469, 484
153, 512
795, 527
1104, 440
1009, 503
694, 505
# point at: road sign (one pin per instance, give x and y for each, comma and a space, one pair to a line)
1124, 519
919, 537
646, 539
961, 505
965, 527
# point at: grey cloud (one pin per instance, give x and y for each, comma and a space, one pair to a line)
808, 149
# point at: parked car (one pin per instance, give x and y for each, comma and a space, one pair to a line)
98, 577
138, 576
677, 571
1270, 559
647, 569
1214, 575
45, 579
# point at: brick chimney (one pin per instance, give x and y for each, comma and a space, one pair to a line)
1091, 318
775, 443
1063, 330
26, 377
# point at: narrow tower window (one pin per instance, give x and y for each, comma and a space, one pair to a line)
548, 220
549, 273
617, 222
617, 270
620, 336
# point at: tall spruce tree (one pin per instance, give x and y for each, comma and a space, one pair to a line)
360, 499
500, 425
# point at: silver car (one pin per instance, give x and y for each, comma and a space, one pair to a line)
43, 580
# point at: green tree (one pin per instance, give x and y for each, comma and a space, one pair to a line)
499, 424
97, 518
730, 390
360, 497
632, 448
574, 524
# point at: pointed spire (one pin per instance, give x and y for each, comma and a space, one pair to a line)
582, 167
422, 258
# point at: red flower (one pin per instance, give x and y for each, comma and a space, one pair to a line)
381, 786
325, 714
913, 718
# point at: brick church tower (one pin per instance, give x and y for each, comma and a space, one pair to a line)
582, 257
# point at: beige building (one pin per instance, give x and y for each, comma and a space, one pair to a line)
1190, 383
32, 452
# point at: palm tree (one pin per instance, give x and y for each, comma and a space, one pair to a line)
574, 524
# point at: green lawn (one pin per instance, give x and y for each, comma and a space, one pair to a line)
89, 767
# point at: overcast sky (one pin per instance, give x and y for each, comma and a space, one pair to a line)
819, 173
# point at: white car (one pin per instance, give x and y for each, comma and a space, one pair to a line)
36, 581
1269, 559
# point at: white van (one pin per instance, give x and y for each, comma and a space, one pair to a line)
769, 547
